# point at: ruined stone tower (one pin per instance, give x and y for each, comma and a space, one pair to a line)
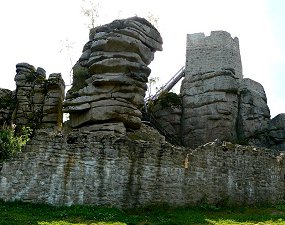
212, 53
209, 90
217, 101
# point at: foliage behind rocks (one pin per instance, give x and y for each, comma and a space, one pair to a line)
12, 143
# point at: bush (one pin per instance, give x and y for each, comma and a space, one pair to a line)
12, 143
165, 100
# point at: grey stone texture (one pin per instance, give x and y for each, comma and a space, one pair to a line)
105, 156
169, 119
277, 131
254, 114
218, 102
210, 107
38, 100
109, 79
7, 106
212, 53
87, 168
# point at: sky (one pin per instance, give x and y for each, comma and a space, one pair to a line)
37, 32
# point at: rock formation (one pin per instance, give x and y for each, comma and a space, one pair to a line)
38, 101
254, 114
166, 111
277, 132
210, 107
218, 102
138, 168
109, 79
7, 106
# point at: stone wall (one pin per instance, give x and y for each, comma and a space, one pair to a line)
86, 168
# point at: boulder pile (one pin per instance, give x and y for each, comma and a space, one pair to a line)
109, 79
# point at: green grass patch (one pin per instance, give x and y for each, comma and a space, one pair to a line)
18, 213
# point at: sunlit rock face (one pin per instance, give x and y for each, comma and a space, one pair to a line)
217, 102
109, 79
210, 107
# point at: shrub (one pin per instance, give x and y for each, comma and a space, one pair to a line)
12, 143
165, 100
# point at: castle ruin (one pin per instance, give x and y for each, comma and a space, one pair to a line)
106, 155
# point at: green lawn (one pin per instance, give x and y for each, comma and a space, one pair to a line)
18, 213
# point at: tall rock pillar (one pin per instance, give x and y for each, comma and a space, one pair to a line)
109, 79
210, 88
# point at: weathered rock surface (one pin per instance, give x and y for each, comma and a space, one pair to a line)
166, 112
169, 119
210, 107
7, 106
109, 80
38, 100
277, 131
254, 114
221, 104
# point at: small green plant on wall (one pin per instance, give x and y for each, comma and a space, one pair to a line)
12, 143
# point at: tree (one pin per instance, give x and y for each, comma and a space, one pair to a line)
153, 19
12, 143
90, 10
151, 84
68, 47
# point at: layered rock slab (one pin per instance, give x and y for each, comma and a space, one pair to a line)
109, 79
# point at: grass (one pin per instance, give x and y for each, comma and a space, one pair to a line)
12, 213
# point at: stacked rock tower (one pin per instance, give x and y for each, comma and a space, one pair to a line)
109, 79
38, 100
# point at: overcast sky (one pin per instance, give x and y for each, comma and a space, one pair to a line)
33, 31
